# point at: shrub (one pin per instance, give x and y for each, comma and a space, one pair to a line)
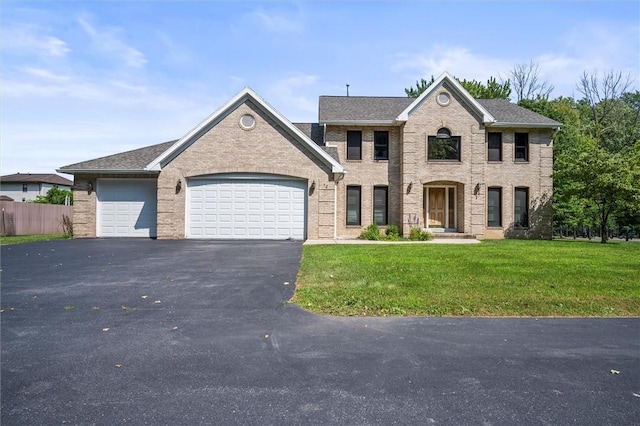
67, 226
417, 234
392, 232
371, 232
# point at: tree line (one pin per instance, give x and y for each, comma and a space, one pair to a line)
596, 166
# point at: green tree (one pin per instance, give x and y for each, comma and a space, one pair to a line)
491, 90
55, 196
607, 182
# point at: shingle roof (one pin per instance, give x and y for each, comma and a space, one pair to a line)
136, 159
506, 112
314, 131
361, 108
36, 177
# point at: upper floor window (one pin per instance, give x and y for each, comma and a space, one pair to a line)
380, 145
521, 207
443, 146
354, 145
25, 187
494, 147
494, 207
353, 205
380, 205
522, 146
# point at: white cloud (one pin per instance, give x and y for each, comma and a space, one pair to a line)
21, 38
277, 22
457, 60
108, 40
295, 96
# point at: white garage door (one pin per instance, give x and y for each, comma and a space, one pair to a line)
246, 209
126, 208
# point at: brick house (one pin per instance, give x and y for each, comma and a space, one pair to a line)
443, 161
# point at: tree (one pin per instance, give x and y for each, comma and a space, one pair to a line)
608, 182
491, 90
421, 86
55, 196
526, 83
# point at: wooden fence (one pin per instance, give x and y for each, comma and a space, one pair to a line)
30, 218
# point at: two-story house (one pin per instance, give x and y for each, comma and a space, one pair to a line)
27, 186
443, 161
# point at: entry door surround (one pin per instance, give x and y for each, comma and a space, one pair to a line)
441, 207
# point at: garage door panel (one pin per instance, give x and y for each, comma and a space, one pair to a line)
251, 208
126, 208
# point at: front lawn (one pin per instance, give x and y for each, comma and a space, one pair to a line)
19, 239
502, 278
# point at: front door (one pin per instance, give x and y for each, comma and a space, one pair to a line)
437, 207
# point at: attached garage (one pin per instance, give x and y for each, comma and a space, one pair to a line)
126, 208
246, 207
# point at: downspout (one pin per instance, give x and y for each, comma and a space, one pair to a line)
336, 178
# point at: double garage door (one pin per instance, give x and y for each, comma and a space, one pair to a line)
246, 208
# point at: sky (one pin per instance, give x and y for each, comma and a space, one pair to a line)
84, 79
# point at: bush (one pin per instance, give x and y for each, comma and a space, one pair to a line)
392, 232
67, 226
371, 232
417, 234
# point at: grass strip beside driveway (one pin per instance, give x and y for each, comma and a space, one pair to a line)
20, 239
495, 278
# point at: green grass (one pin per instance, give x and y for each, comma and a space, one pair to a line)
495, 278
30, 238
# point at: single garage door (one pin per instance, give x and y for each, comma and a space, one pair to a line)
126, 207
246, 208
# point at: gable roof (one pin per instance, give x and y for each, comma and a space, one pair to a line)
445, 77
51, 178
246, 94
361, 109
510, 114
377, 110
133, 161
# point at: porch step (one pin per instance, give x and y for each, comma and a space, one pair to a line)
458, 235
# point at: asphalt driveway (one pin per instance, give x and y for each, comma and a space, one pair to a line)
191, 332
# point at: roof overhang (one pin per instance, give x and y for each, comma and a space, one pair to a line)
362, 123
107, 171
455, 85
527, 125
240, 98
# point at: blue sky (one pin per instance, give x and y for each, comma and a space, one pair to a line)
82, 80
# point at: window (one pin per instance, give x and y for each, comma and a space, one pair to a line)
25, 187
521, 207
380, 145
353, 205
380, 203
354, 145
494, 207
443, 146
494, 145
522, 146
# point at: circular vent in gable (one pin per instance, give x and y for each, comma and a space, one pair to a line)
247, 122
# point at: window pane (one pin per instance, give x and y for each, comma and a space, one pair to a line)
494, 207
522, 146
444, 149
381, 145
354, 145
495, 147
353, 205
521, 207
380, 205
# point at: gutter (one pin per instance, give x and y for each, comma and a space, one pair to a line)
108, 171
335, 204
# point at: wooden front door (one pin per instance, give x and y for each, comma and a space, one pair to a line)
437, 207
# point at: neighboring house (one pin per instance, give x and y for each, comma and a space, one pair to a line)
443, 161
27, 186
